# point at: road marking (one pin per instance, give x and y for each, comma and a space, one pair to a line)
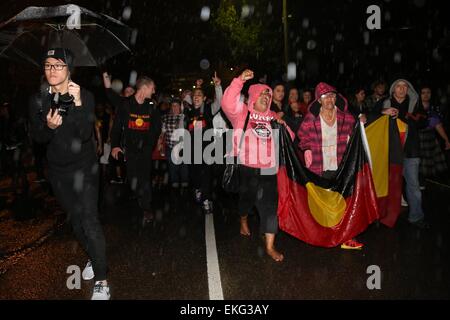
212, 260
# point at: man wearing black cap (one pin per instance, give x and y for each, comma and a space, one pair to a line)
62, 116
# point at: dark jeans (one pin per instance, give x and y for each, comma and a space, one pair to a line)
77, 192
139, 169
260, 191
178, 173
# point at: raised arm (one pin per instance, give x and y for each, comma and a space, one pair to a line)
231, 104
215, 106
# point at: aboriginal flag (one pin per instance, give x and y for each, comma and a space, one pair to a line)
386, 137
326, 212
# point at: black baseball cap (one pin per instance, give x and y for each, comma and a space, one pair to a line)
60, 53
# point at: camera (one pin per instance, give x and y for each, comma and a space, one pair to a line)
61, 103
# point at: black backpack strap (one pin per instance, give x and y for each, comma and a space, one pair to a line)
245, 128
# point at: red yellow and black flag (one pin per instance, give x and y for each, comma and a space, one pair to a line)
386, 137
326, 212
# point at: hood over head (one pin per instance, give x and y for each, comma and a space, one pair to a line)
323, 88
254, 92
412, 93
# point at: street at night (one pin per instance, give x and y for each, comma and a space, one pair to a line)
225, 150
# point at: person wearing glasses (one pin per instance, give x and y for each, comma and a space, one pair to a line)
324, 134
62, 116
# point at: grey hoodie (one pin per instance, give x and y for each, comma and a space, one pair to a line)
412, 147
412, 93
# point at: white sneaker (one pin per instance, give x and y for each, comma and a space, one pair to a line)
88, 272
101, 292
404, 203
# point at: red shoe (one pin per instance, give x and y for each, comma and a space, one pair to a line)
352, 245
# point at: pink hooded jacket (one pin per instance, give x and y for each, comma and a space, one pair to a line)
257, 150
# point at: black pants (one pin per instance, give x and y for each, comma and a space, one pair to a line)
77, 192
200, 175
139, 169
260, 191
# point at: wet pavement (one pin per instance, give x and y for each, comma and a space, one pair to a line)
167, 260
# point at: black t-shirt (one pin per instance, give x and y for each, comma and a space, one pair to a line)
138, 124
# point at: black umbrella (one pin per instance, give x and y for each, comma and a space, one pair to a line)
92, 37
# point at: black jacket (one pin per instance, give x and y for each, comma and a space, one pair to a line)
70, 146
412, 144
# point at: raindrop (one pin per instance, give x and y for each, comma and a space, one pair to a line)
299, 54
133, 37
341, 68
387, 16
260, 194
305, 23
397, 57
159, 215
76, 145
260, 252
126, 14
133, 183
182, 232
78, 181
436, 55
117, 85
377, 51
339, 36
366, 38
311, 45
291, 71
245, 12
133, 78
419, 3
269, 9
204, 14
332, 48
439, 240
204, 64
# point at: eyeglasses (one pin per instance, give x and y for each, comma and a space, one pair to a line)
57, 67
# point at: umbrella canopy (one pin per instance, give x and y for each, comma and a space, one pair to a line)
93, 38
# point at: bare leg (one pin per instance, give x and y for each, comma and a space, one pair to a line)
245, 231
270, 248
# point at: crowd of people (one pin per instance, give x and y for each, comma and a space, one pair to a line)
134, 137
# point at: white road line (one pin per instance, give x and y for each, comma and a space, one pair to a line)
212, 260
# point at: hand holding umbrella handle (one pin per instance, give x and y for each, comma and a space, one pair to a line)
74, 90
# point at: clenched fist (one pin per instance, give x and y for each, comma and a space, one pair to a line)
247, 75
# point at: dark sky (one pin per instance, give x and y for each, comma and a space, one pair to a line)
327, 40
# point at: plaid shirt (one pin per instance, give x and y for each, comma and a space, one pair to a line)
310, 135
171, 122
